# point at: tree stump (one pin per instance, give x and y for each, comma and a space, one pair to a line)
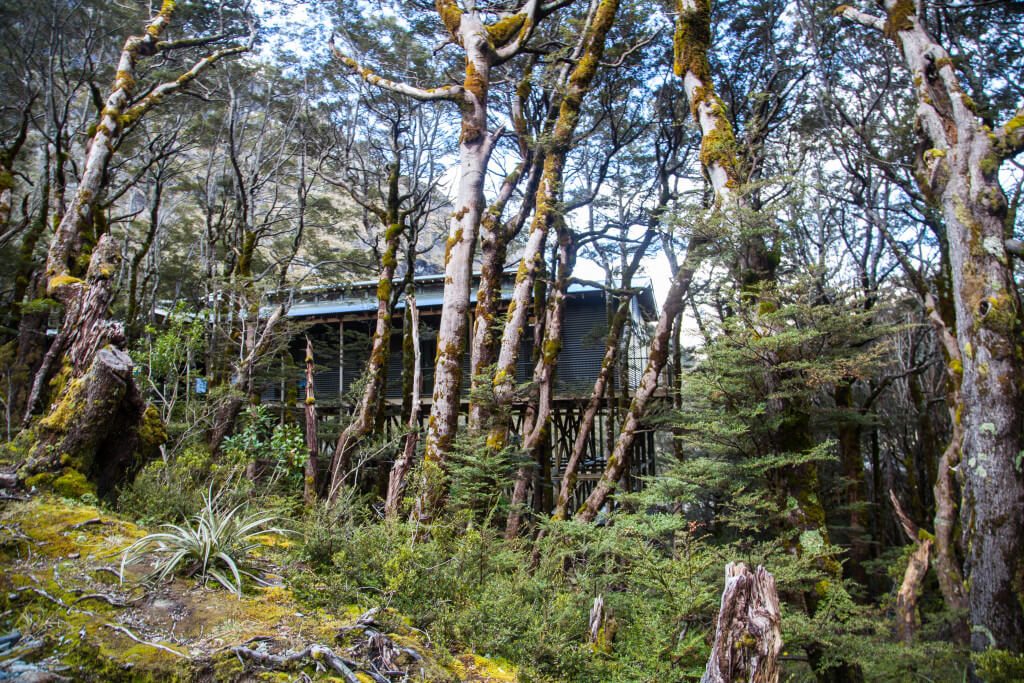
97, 432
748, 637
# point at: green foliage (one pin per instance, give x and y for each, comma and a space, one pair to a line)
470, 588
169, 489
166, 351
217, 544
477, 475
262, 439
999, 666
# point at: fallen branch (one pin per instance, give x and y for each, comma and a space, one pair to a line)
100, 596
140, 641
318, 653
88, 522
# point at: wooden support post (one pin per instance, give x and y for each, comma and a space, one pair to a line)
341, 362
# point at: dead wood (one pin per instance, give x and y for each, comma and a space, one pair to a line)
748, 637
910, 588
98, 426
318, 653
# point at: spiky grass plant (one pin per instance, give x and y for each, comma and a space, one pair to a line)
216, 544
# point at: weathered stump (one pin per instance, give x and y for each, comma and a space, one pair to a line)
97, 432
748, 637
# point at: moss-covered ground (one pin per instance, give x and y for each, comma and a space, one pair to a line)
60, 588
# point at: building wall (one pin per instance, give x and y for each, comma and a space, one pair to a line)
584, 330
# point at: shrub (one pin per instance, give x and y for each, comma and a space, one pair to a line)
217, 545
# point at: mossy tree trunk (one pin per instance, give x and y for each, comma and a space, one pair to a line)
547, 205
401, 467
86, 327
309, 488
691, 44
393, 218
959, 171
485, 46
536, 430
99, 429
613, 345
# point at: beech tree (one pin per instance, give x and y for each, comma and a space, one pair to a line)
86, 327
958, 170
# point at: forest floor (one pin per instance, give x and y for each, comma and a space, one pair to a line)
71, 617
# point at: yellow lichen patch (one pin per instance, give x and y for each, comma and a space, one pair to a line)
899, 18
476, 668
692, 40
504, 30
58, 281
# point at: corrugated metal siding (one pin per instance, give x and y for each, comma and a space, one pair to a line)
584, 328
584, 331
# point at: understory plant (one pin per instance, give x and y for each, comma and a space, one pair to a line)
216, 543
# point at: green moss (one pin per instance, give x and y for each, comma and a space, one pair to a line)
899, 18
1000, 314
450, 15
718, 146
393, 232
990, 164
450, 244
123, 80
67, 407
72, 484
504, 30
41, 481
152, 432
999, 666
58, 281
692, 40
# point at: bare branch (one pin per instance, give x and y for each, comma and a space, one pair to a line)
450, 92
863, 18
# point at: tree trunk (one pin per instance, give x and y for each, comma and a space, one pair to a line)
537, 430
907, 620
657, 357
99, 429
748, 635
485, 46
401, 467
854, 493
312, 444
579, 446
376, 366
546, 206
475, 147
85, 328
960, 172
608, 363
